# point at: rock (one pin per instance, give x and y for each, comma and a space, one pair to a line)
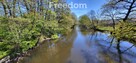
5, 60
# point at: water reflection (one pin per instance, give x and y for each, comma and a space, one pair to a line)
84, 47
119, 52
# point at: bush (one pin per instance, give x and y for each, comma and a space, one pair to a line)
55, 36
125, 30
85, 21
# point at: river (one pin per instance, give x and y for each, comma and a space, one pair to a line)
83, 47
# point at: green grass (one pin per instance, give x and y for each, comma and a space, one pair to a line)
104, 28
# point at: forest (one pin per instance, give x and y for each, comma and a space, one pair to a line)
24, 24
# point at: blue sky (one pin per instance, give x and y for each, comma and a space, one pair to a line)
91, 5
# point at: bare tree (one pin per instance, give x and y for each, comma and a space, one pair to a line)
110, 12
92, 16
126, 7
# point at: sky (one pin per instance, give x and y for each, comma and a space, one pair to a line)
91, 5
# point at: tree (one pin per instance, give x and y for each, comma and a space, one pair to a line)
109, 12
92, 16
85, 21
19, 8
26, 5
14, 8
126, 7
29, 22
4, 7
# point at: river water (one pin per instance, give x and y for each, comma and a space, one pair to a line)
84, 47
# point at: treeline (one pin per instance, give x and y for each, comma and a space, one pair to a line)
90, 20
24, 23
116, 16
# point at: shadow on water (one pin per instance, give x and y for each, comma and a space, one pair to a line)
84, 47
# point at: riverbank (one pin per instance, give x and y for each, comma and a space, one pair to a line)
105, 28
20, 56
83, 46
125, 31
18, 35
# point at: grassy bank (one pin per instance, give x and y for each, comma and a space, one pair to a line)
123, 30
105, 28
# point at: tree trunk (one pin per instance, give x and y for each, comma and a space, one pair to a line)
41, 7
129, 11
26, 5
9, 8
113, 23
5, 8
14, 8
19, 8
